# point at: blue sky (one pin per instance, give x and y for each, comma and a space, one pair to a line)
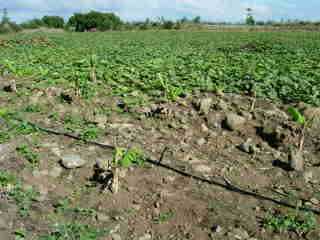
214, 10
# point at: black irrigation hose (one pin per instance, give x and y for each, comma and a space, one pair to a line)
227, 185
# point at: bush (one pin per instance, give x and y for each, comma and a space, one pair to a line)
9, 27
94, 20
32, 24
53, 21
168, 25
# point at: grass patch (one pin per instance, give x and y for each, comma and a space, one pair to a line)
74, 231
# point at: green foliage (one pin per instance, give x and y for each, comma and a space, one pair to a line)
64, 206
299, 223
296, 115
25, 151
163, 217
250, 20
32, 24
24, 197
281, 66
74, 231
33, 108
53, 21
7, 178
127, 158
94, 20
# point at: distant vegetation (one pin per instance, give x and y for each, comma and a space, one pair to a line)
99, 21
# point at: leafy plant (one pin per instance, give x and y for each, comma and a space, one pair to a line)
163, 217
296, 115
74, 231
126, 158
24, 197
32, 157
299, 223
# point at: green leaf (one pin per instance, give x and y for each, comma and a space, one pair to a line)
296, 115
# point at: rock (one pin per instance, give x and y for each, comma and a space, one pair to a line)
202, 168
214, 119
11, 86
102, 217
115, 236
201, 141
217, 229
100, 120
238, 234
204, 128
204, 105
314, 201
296, 160
221, 105
247, 146
313, 114
5, 150
147, 236
273, 134
234, 121
55, 172
71, 161
308, 176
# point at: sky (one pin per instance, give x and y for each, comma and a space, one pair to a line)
136, 10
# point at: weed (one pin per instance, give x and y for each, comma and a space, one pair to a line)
13, 188
126, 158
63, 206
33, 108
163, 217
25, 151
74, 231
91, 132
299, 223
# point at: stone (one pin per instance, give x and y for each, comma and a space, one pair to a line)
296, 160
101, 217
55, 172
71, 161
201, 141
314, 201
247, 146
11, 86
147, 236
234, 121
202, 168
204, 105
308, 176
115, 236
5, 150
313, 114
217, 229
221, 105
239, 234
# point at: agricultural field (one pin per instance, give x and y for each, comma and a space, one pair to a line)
160, 135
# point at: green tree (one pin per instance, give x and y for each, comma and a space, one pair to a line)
53, 21
197, 19
250, 19
5, 18
95, 20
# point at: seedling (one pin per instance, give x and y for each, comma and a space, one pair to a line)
299, 223
163, 217
74, 231
28, 154
24, 198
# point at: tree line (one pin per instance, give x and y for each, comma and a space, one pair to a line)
99, 21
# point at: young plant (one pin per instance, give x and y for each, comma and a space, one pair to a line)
28, 154
299, 223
